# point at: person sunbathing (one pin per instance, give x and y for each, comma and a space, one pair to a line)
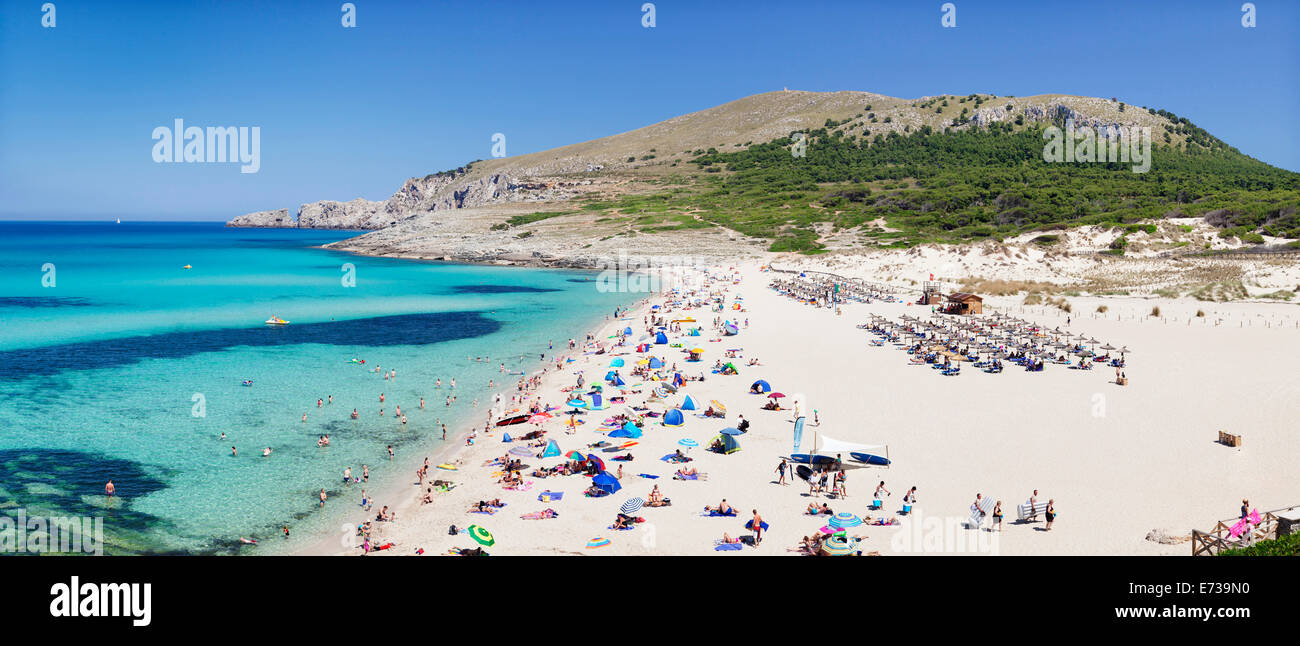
723, 508
726, 538
623, 521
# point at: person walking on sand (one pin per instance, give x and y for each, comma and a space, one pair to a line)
109, 489
781, 469
1051, 514
997, 516
1033, 507
757, 525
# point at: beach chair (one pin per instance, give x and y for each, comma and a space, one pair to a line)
1023, 510
978, 514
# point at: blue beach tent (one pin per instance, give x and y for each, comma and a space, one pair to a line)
674, 417
688, 403
552, 450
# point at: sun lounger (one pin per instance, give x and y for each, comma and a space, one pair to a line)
1024, 512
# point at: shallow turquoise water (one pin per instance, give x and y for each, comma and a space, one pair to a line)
130, 367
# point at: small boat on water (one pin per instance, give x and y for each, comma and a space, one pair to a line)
275, 320
187, 267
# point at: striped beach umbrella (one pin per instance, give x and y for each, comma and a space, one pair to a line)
522, 451
575, 455
838, 546
599, 541
688, 442
482, 536
632, 506
845, 519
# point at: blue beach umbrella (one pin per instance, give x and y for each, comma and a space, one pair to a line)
688, 442
731, 430
617, 363
845, 519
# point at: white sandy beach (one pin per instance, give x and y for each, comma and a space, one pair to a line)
1118, 461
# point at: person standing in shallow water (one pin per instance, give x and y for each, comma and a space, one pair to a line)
109, 489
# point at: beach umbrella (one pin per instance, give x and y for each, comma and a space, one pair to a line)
576, 456
731, 430
482, 536
522, 451
688, 442
776, 395
632, 506
838, 546
599, 541
617, 363
577, 403
845, 519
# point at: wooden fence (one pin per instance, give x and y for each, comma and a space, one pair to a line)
1220, 538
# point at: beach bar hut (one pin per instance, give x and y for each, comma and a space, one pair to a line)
964, 303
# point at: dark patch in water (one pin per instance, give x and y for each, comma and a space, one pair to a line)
500, 289
44, 301
579, 280
404, 329
78, 490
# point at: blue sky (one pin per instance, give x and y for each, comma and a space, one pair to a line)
418, 87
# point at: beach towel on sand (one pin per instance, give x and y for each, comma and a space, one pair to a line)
750, 525
649, 476
728, 547
714, 513
548, 496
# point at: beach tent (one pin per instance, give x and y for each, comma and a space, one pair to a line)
506, 438
552, 450
661, 338
617, 381
761, 386
674, 417
627, 331
729, 443
609, 376
606, 482
655, 363
694, 332
597, 402
629, 430
642, 347
688, 403
600, 464
730, 330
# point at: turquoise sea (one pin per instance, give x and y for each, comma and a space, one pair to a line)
117, 362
